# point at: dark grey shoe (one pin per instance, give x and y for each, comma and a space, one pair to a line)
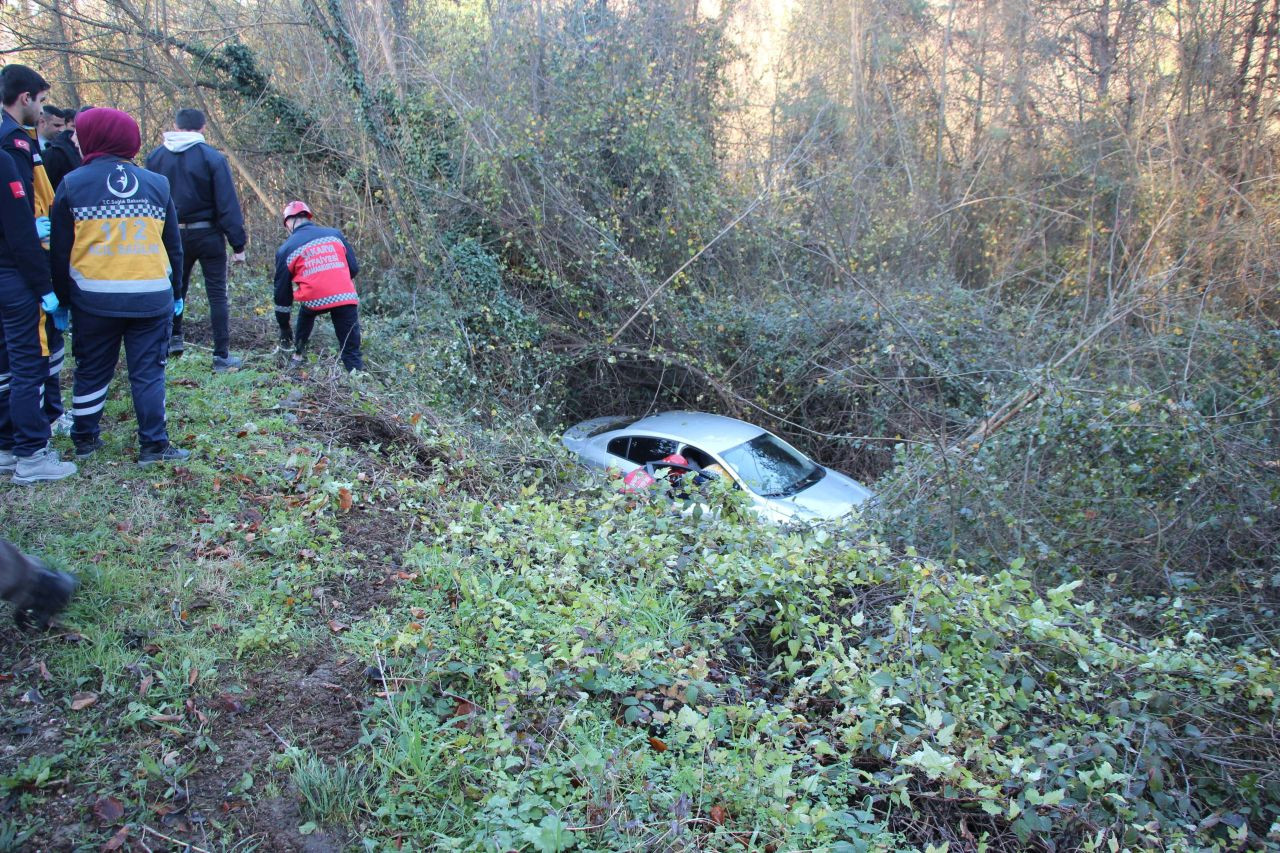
169, 454
86, 449
176, 346
225, 363
45, 598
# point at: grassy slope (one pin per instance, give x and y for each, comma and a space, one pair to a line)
341, 623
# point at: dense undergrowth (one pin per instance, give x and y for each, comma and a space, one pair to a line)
579, 672
536, 662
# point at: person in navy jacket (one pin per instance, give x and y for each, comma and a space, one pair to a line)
26, 294
210, 217
315, 268
117, 260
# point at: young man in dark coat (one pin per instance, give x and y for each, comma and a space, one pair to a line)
209, 217
30, 343
62, 154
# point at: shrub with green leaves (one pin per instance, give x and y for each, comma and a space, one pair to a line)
606, 671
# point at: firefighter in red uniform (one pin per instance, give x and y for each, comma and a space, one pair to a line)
315, 268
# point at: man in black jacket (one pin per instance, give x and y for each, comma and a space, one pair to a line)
209, 217
62, 154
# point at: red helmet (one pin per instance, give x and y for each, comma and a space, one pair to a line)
296, 208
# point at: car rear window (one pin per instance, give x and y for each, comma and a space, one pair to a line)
608, 426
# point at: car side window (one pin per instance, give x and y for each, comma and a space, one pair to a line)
645, 448
618, 446
698, 457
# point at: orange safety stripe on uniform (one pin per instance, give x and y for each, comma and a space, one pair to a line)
44, 334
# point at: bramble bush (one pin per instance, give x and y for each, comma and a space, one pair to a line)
600, 671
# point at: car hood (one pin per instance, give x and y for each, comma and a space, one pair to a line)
831, 497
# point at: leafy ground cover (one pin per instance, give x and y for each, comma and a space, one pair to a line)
361, 618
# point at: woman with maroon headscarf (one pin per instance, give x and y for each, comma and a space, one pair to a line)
117, 261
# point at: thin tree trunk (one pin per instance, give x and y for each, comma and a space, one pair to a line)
940, 131
63, 35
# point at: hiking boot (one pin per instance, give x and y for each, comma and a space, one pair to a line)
7, 461
41, 466
176, 346
285, 344
47, 595
168, 454
62, 426
225, 363
86, 449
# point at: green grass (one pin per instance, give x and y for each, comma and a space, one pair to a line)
191, 581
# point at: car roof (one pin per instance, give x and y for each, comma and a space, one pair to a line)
712, 433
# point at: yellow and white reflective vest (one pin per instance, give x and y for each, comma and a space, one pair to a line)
115, 246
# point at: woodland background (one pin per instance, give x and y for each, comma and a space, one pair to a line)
1013, 262
867, 225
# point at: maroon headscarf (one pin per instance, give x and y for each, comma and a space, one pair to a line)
103, 131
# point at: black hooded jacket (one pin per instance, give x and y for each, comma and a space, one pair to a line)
200, 182
60, 157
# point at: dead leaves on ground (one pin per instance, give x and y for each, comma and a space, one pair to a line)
83, 700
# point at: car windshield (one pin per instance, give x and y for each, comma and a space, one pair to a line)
772, 468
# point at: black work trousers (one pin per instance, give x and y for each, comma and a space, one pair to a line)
346, 325
209, 247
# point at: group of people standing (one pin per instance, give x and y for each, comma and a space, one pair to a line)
94, 244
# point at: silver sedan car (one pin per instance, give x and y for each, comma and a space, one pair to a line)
784, 485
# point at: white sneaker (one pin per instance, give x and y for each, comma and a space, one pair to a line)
41, 466
7, 462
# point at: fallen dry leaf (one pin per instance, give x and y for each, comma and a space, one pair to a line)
192, 677
657, 744
337, 627
165, 718
719, 815
145, 686
230, 704
80, 701
108, 810
344, 499
116, 841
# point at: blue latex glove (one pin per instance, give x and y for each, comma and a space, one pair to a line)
61, 319
43, 227
49, 302
178, 305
